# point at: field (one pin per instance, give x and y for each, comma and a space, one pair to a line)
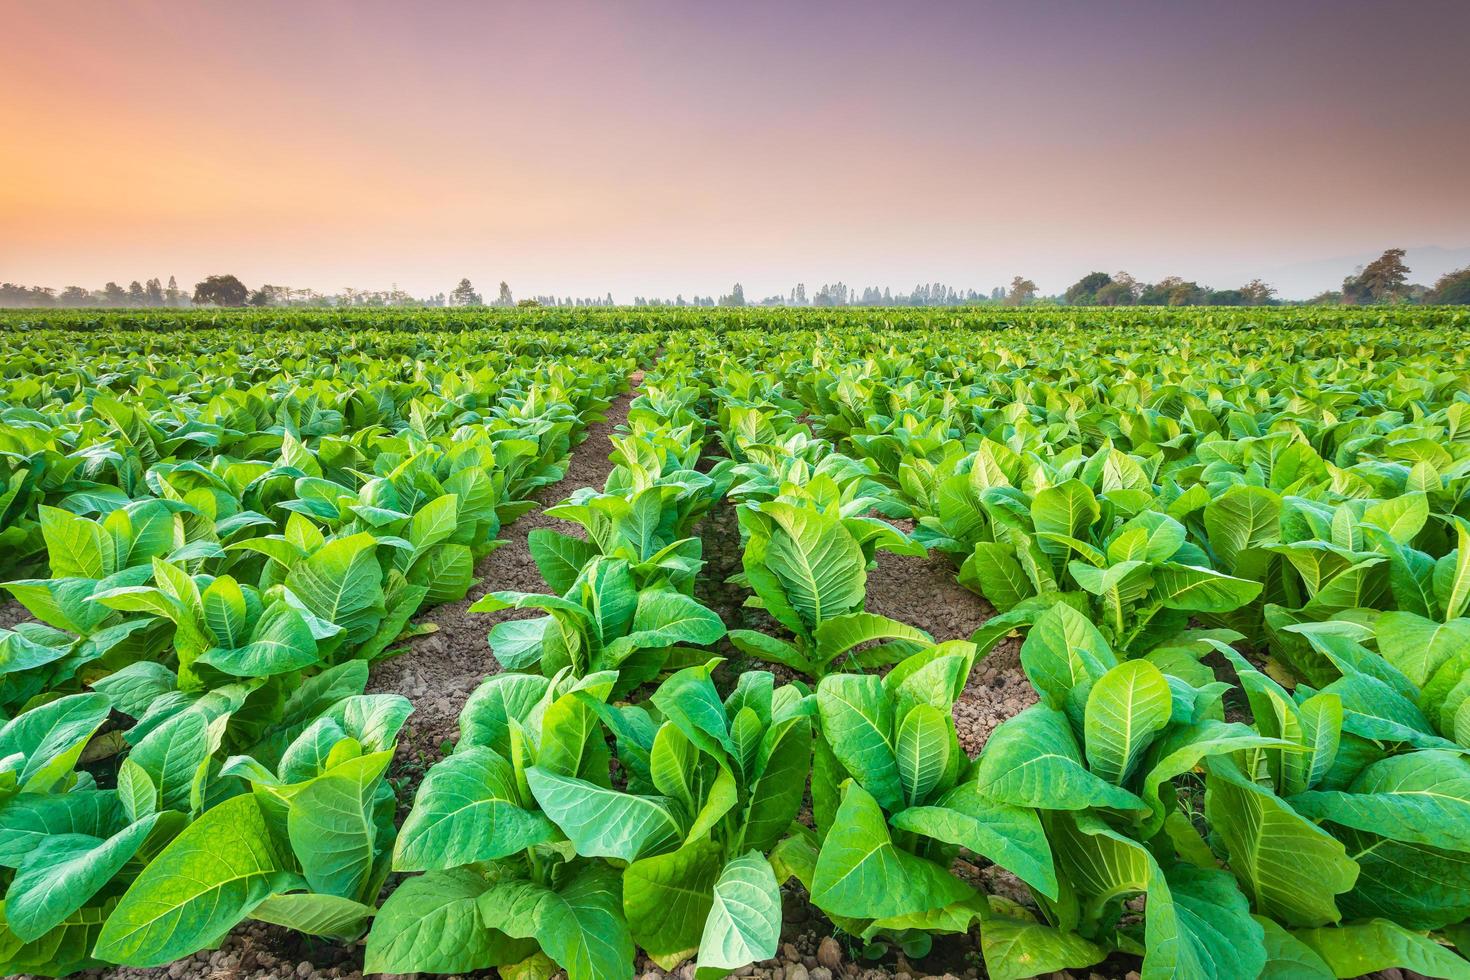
798, 643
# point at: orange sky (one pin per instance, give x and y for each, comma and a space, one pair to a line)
659, 148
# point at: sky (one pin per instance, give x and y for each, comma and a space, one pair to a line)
650, 148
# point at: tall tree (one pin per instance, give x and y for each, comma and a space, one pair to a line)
1380, 281
1453, 288
172, 294
1022, 291
1084, 291
1257, 293
464, 295
220, 291
504, 299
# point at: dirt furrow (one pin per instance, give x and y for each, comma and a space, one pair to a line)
439, 671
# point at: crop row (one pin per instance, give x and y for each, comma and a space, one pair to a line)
230, 542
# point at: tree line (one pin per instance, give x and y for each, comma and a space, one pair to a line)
1384, 280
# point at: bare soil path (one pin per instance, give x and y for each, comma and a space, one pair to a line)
439, 671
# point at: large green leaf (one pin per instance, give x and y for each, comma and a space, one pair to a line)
431, 924
1126, 708
861, 873
1032, 760
1291, 868
775, 795
332, 829
744, 923
1016, 948
1011, 836
580, 924
201, 885
857, 724
1418, 646
1365, 947
343, 584
64, 872
603, 822
668, 897
467, 810
1422, 797
816, 560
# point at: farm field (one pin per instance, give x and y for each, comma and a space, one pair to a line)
775, 642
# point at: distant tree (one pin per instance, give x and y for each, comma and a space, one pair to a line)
1331, 297
464, 295
504, 299
74, 296
136, 296
1121, 291
1022, 291
172, 295
153, 292
1083, 292
1453, 288
1380, 281
736, 297
1173, 291
1256, 293
221, 291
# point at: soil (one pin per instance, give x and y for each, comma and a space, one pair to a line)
439, 671
11, 613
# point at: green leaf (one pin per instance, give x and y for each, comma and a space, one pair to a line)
857, 723
817, 562
329, 916
63, 873
1422, 797
332, 830
923, 750
1126, 708
1365, 947
1195, 589
559, 557
1242, 518
281, 642
200, 886
1010, 836
43, 744
1063, 656
1016, 948
744, 924
840, 634
1418, 646
580, 925
776, 794
1067, 510
431, 924
1288, 958
342, 584
1291, 868
603, 822
860, 873
467, 810
1033, 760
668, 897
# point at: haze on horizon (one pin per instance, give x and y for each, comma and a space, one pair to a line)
655, 148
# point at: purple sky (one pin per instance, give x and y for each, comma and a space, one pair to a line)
655, 148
